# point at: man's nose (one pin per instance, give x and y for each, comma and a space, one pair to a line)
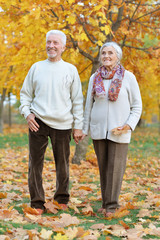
51, 44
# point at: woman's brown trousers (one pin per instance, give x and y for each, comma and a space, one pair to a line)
112, 163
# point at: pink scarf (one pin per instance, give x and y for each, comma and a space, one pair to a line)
116, 75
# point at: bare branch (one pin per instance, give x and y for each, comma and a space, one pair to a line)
116, 25
142, 48
54, 14
147, 26
75, 43
94, 40
110, 14
85, 68
130, 22
146, 4
85, 54
148, 13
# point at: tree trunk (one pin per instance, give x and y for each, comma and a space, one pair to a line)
1, 109
80, 151
159, 116
9, 110
81, 147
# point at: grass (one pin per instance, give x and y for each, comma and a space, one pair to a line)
13, 140
145, 144
145, 141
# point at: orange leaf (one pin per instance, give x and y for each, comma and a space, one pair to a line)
56, 204
3, 195
86, 188
116, 131
31, 211
88, 211
80, 232
130, 206
124, 224
121, 212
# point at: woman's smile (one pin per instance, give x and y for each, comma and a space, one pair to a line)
109, 57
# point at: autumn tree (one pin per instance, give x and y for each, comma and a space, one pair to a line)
87, 24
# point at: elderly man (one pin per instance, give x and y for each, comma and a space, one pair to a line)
52, 103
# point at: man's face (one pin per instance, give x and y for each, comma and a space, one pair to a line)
54, 47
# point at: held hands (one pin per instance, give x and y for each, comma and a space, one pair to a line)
32, 124
78, 135
121, 130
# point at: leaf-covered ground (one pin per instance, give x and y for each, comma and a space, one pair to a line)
139, 215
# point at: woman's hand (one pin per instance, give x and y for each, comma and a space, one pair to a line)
121, 130
125, 127
83, 136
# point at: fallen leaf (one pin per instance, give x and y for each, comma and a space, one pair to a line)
45, 234
4, 237
116, 131
59, 236
71, 233
30, 211
86, 188
51, 207
80, 232
68, 220
144, 213
98, 226
88, 211
124, 224
3, 195
72, 206
32, 217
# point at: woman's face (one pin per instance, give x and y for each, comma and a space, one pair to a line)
109, 57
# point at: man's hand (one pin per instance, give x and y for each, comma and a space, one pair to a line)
77, 135
32, 124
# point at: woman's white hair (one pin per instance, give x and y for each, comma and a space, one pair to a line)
115, 46
57, 32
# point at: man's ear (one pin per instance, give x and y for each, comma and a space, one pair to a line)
64, 48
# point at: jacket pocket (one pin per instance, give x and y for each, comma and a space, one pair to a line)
95, 131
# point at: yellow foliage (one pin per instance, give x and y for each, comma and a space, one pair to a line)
83, 36
71, 19
87, 24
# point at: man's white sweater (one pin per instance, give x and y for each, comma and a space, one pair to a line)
52, 91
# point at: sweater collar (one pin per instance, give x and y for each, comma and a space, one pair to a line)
54, 62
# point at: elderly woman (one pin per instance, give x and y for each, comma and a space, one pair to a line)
113, 109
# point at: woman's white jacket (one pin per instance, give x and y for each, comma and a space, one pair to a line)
102, 115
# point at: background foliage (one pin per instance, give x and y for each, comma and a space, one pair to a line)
88, 24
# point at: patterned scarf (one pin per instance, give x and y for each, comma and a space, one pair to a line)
98, 86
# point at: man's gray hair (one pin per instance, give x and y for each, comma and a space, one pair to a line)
57, 32
115, 46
